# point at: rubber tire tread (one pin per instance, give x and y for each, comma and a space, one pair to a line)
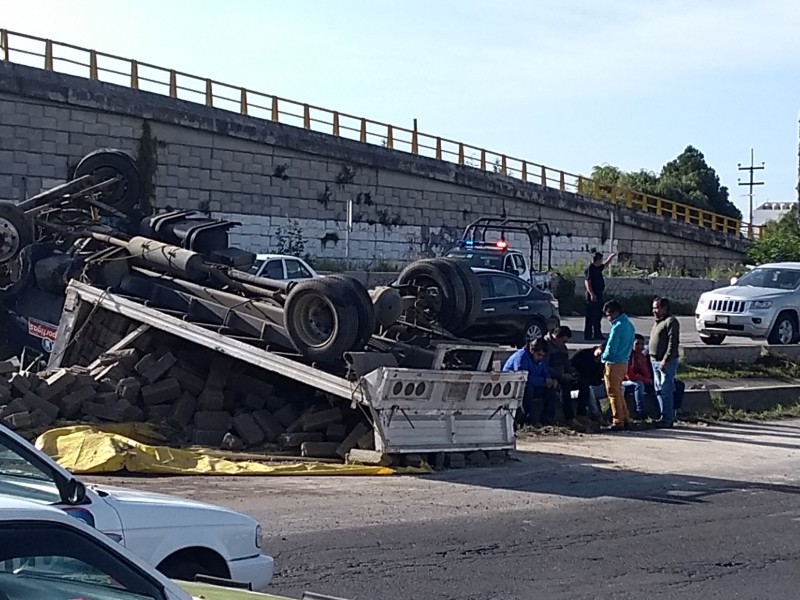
473, 293
343, 338
366, 311
123, 164
445, 279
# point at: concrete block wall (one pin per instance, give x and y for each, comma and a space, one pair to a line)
265, 175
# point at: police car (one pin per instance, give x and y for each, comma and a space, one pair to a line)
499, 256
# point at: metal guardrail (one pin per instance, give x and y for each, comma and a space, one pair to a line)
74, 60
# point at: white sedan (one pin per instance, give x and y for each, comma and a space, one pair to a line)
182, 538
46, 555
282, 267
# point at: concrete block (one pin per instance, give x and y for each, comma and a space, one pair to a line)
212, 420
286, 415
22, 382
296, 426
438, 461
245, 384
319, 421
161, 392
455, 460
19, 420
245, 425
70, 405
367, 441
253, 401
159, 368
295, 440
207, 437
36, 402
720, 355
184, 409
268, 424
319, 449
189, 381
159, 411
118, 412
146, 362
5, 394
218, 371
274, 402
9, 366
112, 373
414, 460
477, 458
128, 388
368, 457
351, 441
211, 399
55, 384
336, 432
497, 457
231, 442
127, 357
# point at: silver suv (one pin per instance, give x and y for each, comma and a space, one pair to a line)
764, 303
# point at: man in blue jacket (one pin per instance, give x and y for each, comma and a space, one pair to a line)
615, 362
539, 399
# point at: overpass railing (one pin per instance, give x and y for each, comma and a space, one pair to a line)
83, 62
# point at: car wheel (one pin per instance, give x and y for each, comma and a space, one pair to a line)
533, 330
712, 340
784, 331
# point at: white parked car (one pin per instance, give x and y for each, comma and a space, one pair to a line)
180, 537
45, 554
764, 303
282, 267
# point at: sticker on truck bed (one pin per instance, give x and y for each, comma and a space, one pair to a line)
44, 331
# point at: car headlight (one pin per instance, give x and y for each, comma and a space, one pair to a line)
761, 304
702, 301
258, 536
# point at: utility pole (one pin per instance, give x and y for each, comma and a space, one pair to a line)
797, 212
750, 183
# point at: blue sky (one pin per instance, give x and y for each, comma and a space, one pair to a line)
569, 83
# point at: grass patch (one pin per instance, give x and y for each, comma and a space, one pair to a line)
765, 367
726, 414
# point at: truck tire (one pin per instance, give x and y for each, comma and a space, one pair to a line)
318, 321
440, 291
106, 163
364, 308
15, 232
712, 340
473, 294
784, 331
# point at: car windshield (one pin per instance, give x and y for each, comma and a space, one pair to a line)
49, 560
21, 478
779, 279
487, 260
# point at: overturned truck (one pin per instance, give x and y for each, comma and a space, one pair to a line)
156, 317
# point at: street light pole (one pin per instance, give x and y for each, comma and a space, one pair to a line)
752, 168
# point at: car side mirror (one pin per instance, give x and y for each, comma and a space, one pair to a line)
734, 280
75, 492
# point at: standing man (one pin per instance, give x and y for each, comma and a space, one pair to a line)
664, 340
615, 360
538, 400
595, 285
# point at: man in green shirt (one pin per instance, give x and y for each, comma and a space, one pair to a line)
664, 341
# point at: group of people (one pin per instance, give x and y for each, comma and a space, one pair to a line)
621, 362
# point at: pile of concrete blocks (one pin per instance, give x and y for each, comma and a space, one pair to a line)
200, 397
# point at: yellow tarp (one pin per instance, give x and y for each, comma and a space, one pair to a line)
88, 449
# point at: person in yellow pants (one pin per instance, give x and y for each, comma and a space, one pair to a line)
615, 357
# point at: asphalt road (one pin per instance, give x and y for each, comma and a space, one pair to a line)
682, 514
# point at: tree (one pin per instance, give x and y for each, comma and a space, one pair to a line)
688, 179
779, 241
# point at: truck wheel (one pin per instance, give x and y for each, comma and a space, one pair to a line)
318, 321
712, 340
107, 163
473, 295
440, 294
15, 233
785, 330
363, 304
